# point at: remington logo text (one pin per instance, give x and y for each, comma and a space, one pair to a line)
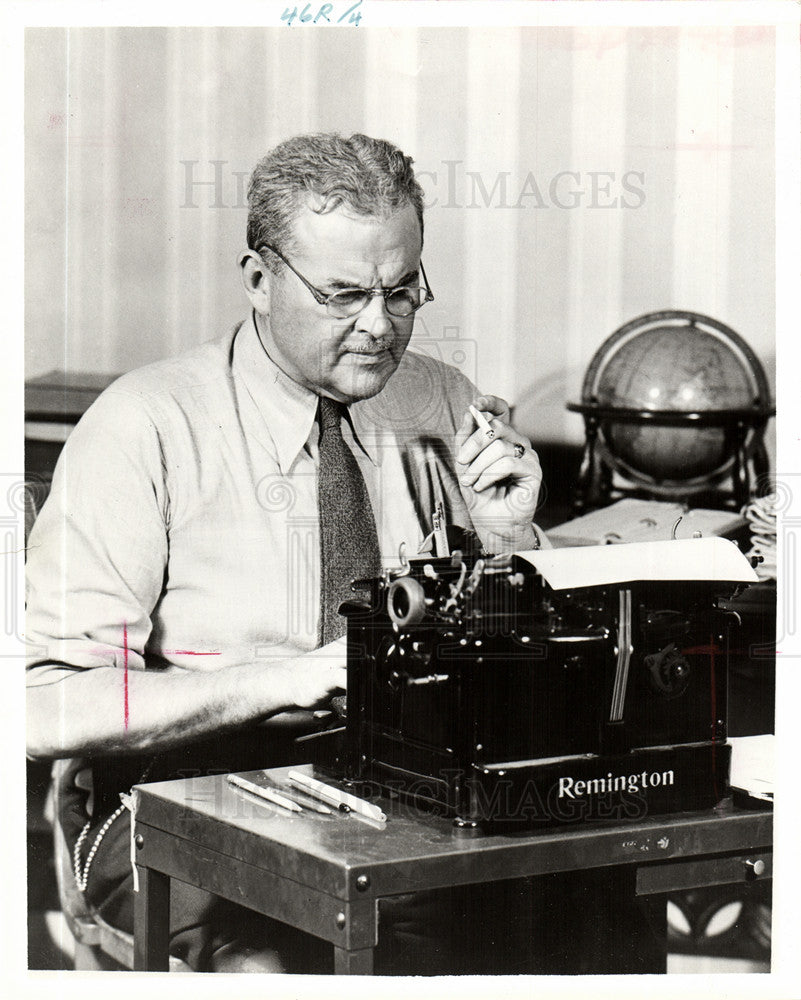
570, 788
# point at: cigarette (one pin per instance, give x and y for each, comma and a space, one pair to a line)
482, 421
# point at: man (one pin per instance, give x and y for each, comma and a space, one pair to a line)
183, 572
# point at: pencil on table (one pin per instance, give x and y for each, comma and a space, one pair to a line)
263, 793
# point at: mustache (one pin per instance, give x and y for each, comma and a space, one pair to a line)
377, 347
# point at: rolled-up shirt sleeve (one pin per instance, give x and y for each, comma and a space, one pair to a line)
97, 555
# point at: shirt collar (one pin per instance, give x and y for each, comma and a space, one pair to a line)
288, 409
365, 432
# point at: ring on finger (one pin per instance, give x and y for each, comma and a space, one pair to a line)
519, 451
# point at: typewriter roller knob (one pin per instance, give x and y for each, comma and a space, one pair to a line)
406, 601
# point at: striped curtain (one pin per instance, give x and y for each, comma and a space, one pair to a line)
575, 178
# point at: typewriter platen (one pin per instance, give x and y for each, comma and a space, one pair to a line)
545, 687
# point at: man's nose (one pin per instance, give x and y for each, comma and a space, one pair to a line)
374, 318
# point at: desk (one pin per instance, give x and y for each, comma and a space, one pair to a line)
61, 396
325, 874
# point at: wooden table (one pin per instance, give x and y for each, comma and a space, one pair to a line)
326, 874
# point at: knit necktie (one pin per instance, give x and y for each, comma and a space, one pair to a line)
348, 539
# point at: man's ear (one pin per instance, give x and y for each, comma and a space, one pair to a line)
256, 280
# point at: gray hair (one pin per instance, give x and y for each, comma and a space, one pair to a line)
322, 171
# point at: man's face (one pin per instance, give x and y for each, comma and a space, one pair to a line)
347, 359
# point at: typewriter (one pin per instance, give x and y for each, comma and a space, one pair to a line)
544, 687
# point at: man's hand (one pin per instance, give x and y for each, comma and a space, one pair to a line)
312, 679
499, 475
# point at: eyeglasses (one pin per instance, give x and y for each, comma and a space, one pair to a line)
401, 301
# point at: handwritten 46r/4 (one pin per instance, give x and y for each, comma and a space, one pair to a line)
325, 13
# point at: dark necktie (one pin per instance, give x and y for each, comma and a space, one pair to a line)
348, 539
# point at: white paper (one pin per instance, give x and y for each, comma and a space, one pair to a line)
752, 765
688, 559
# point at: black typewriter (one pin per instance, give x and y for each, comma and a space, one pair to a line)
545, 687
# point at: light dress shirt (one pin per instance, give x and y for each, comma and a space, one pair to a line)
182, 524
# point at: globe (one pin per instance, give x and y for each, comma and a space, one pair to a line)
696, 376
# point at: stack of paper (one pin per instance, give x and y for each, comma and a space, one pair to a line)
752, 765
632, 520
761, 517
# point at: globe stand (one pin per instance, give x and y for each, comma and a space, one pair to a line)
675, 406
746, 476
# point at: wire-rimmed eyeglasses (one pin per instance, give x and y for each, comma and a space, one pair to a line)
401, 301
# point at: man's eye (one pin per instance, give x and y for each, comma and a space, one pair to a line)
348, 296
405, 297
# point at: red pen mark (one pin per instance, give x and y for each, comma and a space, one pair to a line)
185, 652
709, 650
137, 207
125, 674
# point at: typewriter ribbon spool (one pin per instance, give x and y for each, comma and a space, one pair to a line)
406, 601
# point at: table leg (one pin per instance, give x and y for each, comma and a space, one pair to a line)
152, 922
353, 963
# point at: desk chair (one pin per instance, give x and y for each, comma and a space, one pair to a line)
98, 945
